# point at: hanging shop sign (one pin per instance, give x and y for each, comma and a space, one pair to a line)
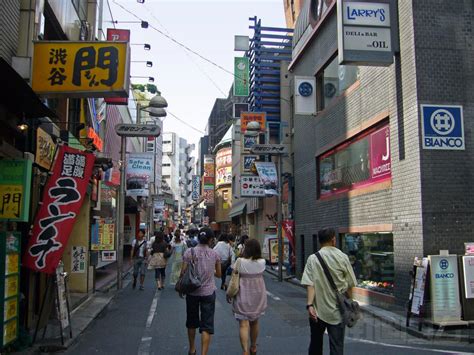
442, 127
15, 187
209, 166
248, 142
444, 281
247, 117
208, 183
102, 234
109, 255
139, 171
208, 197
137, 130
96, 140
305, 95
380, 160
9, 285
223, 176
241, 76
251, 186
268, 175
118, 35
365, 34
196, 185
61, 202
45, 149
269, 149
81, 69
248, 163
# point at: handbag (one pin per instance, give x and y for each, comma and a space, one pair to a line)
350, 309
190, 280
234, 283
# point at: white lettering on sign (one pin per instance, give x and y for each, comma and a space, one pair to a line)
439, 142
367, 14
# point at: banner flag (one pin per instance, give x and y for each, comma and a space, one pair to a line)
62, 200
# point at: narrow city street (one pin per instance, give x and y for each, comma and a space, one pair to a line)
152, 322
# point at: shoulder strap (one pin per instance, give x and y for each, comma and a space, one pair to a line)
326, 271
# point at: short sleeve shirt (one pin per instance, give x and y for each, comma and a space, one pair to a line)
143, 245
325, 298
205, 260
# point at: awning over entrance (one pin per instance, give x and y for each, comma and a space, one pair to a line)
18, 97
237, 210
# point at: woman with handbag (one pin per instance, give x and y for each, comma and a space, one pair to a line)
178, 247
201, 303
158, 260
248, 294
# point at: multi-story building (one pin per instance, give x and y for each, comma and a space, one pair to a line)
364, 163
292, 10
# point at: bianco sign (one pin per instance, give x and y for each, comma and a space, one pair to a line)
365, 32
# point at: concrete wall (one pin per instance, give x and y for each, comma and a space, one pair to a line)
9, 27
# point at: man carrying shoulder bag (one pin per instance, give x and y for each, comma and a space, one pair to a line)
324, 305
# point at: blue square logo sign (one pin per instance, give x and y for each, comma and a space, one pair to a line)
442, 127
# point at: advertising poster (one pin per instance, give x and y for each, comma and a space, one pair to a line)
209, 166
273, 250
419, 288
251, 186
241, 76
139, 172
63, 315
248, 163
223, 176
78, 259
268, 175
445, 301
468, 268
249, 142
196, 185
15, 186
247, 117
208, 197
103, 235
45, 149
61, 202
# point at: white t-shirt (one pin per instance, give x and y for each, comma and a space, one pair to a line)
249, 266
224, 250
143, 245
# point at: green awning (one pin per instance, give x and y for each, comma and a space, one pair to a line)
237, 210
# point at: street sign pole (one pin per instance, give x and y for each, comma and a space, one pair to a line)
121, 214
279, 220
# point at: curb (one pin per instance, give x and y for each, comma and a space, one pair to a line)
395, 320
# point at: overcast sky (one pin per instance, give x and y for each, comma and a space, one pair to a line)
189, 83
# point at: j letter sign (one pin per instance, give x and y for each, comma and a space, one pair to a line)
365, 32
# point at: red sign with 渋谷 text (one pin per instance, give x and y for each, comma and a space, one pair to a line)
62, 199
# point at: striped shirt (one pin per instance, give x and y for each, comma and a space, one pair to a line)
205, 260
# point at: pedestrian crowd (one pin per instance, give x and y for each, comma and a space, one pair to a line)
197, 259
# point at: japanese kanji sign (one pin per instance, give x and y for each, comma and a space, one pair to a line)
15, 183
247, 117
62, 199
81, 69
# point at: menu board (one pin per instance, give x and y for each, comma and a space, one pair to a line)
444, 276
419, 287
9, 284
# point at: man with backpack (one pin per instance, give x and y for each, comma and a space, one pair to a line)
139, 254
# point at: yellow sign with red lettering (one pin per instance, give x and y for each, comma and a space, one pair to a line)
81, 69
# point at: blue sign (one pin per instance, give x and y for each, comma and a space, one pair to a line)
443, 264
442, 127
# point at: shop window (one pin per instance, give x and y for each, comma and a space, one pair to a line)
334, 80
371, 256
361, 161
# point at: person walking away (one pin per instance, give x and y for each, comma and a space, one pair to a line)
159, 256
200, 304
323, 311
139, 253
224, 249
241, 245
251, 300
178, 247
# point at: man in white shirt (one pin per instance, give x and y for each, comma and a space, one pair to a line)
321, 299
226, 253
139, 253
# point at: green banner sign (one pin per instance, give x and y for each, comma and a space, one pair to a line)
241, 76
15, 188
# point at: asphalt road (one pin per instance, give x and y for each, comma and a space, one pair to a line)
153, 322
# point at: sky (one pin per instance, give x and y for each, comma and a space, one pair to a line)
189, 83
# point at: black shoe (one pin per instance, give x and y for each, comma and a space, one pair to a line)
134, 285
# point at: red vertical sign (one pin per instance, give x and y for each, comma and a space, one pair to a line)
62, 199
122, 36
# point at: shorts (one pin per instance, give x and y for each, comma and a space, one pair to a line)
160, 271
200, 312
139, 267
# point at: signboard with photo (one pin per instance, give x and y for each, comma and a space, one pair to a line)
248, 162
139, 172
269, 177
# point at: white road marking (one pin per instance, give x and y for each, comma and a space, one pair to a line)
409, 347
276, 298
145, 342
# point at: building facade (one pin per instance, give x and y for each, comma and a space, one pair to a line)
419, 201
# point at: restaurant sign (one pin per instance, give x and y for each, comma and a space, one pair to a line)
81, 69
15, 187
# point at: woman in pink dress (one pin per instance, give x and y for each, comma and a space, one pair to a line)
251, 301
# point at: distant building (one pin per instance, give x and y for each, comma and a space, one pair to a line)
293, 9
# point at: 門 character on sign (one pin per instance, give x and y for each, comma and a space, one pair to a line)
57, 56
14, 198
57, 76
87, 59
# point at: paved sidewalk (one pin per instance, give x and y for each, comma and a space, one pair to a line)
398, 320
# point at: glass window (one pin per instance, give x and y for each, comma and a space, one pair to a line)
361, 161
371, 256
336, 79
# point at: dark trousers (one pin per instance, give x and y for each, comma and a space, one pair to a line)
336, 337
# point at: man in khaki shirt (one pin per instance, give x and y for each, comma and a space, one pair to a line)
321, 302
